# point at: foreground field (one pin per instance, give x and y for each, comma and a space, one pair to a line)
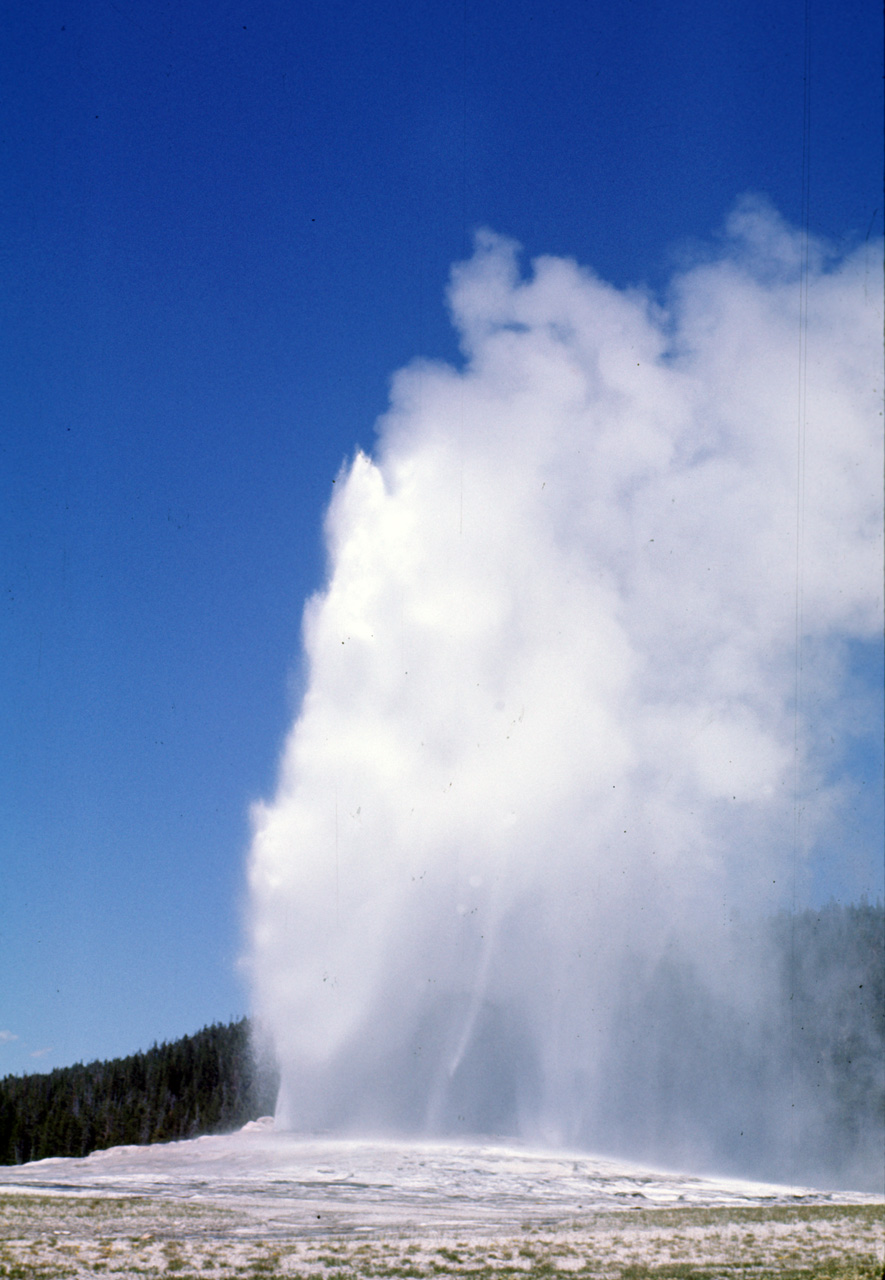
259, 1204
53, 1236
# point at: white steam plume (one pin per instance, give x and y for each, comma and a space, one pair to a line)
549, 731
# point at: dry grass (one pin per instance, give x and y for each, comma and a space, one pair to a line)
48, 1237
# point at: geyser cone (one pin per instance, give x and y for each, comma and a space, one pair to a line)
549, 738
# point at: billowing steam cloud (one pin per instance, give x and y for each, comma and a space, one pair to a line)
549, 740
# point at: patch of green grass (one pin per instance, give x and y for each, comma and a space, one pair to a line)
867, 1214
449, 1254
859, 1268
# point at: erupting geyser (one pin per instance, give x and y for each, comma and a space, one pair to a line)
549, 745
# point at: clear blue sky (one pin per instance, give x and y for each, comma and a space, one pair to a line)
224, 227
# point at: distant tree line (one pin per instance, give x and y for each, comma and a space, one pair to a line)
765, 1060
832, 965
768, 1060
210, 1082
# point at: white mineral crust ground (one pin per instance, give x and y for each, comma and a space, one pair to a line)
282, 1182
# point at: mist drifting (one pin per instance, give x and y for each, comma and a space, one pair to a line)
548, 750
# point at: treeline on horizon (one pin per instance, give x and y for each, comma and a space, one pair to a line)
210, 1082
813, 1047
788, 1079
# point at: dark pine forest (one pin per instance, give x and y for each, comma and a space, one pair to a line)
210, 1082
816, 1039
